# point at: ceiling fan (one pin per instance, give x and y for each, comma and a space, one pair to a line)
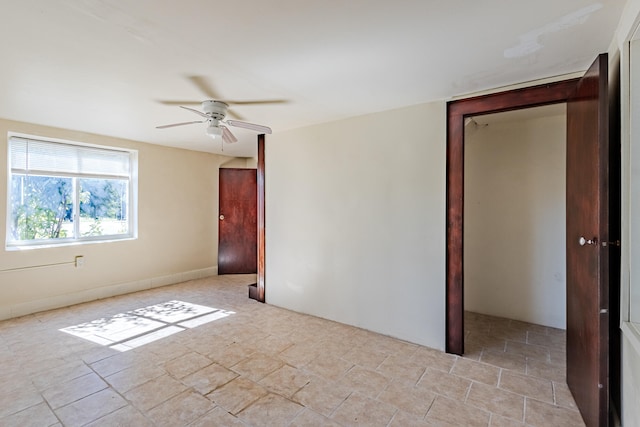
214, 112
216, 109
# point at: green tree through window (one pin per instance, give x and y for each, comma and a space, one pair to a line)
41, 204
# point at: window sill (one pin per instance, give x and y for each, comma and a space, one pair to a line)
15, 248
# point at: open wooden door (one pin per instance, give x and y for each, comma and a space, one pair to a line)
237, 225
588, 244
593, 212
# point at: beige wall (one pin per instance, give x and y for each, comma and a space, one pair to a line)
514, 219
240, 163
355, 222
177, 232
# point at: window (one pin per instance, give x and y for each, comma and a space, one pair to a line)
62, 192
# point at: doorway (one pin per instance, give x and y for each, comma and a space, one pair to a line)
593, 206
515, 210
247, 252
237, 225
457, 112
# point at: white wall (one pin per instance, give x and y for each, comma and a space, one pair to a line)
514, 219
177, 232
630, 378
355, 222
630, 263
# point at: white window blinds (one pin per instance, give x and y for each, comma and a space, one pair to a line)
35, 156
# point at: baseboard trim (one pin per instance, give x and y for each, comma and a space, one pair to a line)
58, 301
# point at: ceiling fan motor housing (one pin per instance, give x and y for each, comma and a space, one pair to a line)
217, 110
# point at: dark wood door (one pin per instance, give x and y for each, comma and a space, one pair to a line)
237, 222
587, 250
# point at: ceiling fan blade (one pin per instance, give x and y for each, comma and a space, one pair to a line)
200, 113
227, 136
179, 124
251, 126
205, 87
180, 102
255, 102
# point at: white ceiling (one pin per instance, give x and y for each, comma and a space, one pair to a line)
101, 66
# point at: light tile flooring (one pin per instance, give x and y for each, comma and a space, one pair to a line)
264, 366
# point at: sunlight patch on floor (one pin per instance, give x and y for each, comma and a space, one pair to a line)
126, 331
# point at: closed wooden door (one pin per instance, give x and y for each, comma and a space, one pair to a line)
237, 221
587, 247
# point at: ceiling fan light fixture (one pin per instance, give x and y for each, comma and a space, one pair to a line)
214, 131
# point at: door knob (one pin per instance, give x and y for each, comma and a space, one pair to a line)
582, 241
221, 217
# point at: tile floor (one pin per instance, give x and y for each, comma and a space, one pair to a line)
259, 365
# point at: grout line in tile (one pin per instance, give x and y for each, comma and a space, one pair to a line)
430, 406
383, 360
392, 418
466, 395
453, 365
339, 405
422, 376
394, 415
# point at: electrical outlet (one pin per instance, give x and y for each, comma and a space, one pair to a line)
79, 261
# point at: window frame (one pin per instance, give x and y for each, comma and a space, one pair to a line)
78, 239
630, 126
632, 308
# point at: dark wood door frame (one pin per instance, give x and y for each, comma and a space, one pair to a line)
261, 221
457, 111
